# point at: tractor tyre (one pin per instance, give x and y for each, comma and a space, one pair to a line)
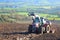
48, 29
30, 29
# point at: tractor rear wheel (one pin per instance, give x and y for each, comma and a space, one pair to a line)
48, 29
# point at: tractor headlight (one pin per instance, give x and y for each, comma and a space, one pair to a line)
37, 24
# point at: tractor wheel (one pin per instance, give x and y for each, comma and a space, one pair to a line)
52, 31
48, 29
42, 30
30, 29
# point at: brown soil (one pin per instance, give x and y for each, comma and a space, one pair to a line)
12, 31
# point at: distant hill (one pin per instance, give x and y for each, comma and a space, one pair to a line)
37, 6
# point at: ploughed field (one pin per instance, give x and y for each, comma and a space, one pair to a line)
18, 31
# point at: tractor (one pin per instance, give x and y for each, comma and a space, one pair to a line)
38, 27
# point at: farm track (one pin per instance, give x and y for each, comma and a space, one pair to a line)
12, 31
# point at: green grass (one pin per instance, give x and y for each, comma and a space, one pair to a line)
53, 18
22, 13
43, 15
48, 16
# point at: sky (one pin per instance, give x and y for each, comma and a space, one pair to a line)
33, 2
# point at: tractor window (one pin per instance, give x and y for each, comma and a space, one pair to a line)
37, 19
